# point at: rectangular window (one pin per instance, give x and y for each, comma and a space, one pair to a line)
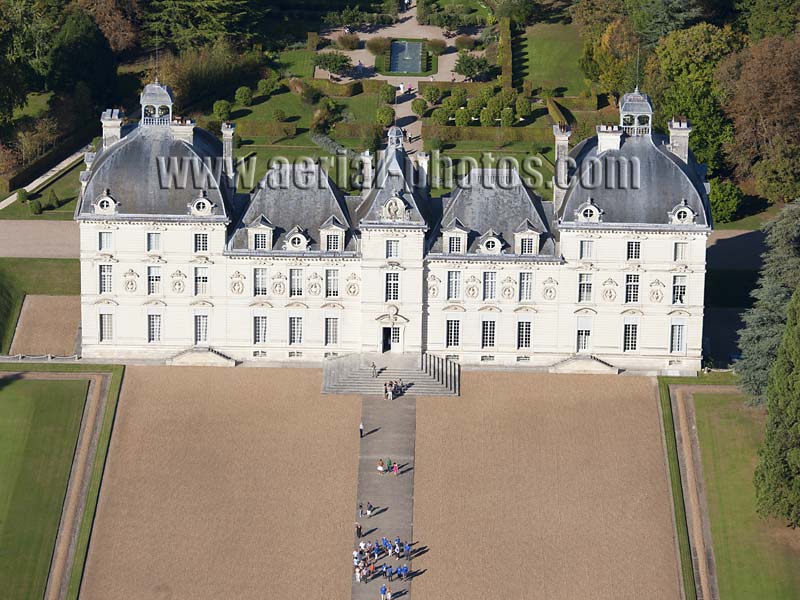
676, 337
201, 242
454, 244
260, 282
154, 242
453, 285
260, 241
583, 339
332, 243
200, 329
453, 337
526, 246
392, 248
260, 330
631, 288
106, 327
679, 289
395, 339
295, 330
153, 328
487, 334
331, 283
200, 281
525, 286
634, 250
681, 251
105, 279
104, 241
392, 286
630, 337
153, 280
523, 334
331, 331
489, 285
585, 287
295, 282
586, 250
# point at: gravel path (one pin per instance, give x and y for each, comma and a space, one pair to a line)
47, 325
39, 239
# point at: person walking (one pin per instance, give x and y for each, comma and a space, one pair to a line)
383, 592
374, 370
360, 510
381, 467
370, 508
389, 593
358, 530
361, 430
395, 469
358, 574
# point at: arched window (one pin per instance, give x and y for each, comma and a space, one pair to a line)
149, 111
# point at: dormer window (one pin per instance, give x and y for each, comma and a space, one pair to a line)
526, 246
492, 246
332, 242
296, 241
106, 205
202, 206
260, 241
589, 212
682, 214
454, 244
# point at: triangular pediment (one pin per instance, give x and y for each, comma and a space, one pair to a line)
261, 221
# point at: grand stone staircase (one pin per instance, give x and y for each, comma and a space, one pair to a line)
422, 375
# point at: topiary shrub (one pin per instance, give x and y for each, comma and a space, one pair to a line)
432, 94
419, 106
267, 85
435, 144
384, 116
451, 103
22, 195
35, 207
348, 41
507, 117
463, 117
487, 117
440, 116
726, 200
244, 96
465, 42
523, 107
222, 110
279, 115
436, 47
379, 46
460, 94
387, 93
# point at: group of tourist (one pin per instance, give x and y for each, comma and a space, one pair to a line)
388, 467
392, 389
367, 555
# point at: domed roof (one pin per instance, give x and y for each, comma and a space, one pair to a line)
156, 94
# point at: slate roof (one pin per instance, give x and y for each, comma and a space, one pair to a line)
294, 196
156, 94
479, 205
635, 102
664, 182
130, 170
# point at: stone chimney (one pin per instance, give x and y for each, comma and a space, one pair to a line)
609, 137
183, 129
561, 132
228, 129
367, 169
679, 130
423, 166
112, 126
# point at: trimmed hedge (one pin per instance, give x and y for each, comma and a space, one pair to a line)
331, 88
313, 41
450, 133
554, 110
578, 102
505, 54
266, 129
353, 130
472, 87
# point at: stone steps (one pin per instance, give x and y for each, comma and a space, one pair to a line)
353, 377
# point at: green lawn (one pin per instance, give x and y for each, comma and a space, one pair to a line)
39, 424
66, 185
754, 556
37, 105
21, 276
298, 63
553, 50
473, 6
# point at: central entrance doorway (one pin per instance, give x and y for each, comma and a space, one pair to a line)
390, 339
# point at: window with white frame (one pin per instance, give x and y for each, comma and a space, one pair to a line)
260, 281
153, 280
489, 285
392, 290
200, 281
586, 249
295, 282
583, 334
153, 242
153, 329
200, 329
392, 248
260, 329
395, 337
679, 289
453, 333
104, 241
523, 335
105, 279
681, 251
630, 337
331, 283
526, 286
201, 242
631, 288
453, 285
331, 331
585, 287
332, 242
454, 244
295, 331
487, 333
634, 250
106, 327
527, 246
260, 241
677, 336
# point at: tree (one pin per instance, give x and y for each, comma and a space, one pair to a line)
419, 106
768, 18
488, 117
463, 118
521, 11
451, 104
440, 116
267, 85
653, 19
222, 110
333, 62
471, 67
507, 117
379, 46
384, 116
459, 94
777, 475
80, 52
764, 321
387, 93
523, 107
117, 19
593, 16
432, 94
22, 196
183, 24
244, 96
726, 200
465, 42
436, 46
351, 17
615, 56
279, 115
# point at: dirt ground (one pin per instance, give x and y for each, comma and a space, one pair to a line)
543, 486
39, 239
47, 325
226, 483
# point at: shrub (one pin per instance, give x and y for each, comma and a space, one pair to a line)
440, 116
463, 117
554, 110
465, 42
244, 96
474, 106
432, 94
435, 144
487, 117
35, 207
507, 117
419, 106
333, 62
496, 104
279, 115
387, 94
451, 104
268, 85
222, 110
726, 200
379, 45
460, 94
312, 41
384, 116
436, 47
485, 95
22, 195
523, 107
52, 201
348, 41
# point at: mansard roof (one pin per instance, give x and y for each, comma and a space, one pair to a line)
664, 181
290, 196
493, 202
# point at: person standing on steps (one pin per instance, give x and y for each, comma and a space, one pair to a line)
361, 430
374, 370
358, 530
370, 508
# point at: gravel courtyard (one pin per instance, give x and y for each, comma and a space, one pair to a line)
543, 486
47, 325
226, 483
